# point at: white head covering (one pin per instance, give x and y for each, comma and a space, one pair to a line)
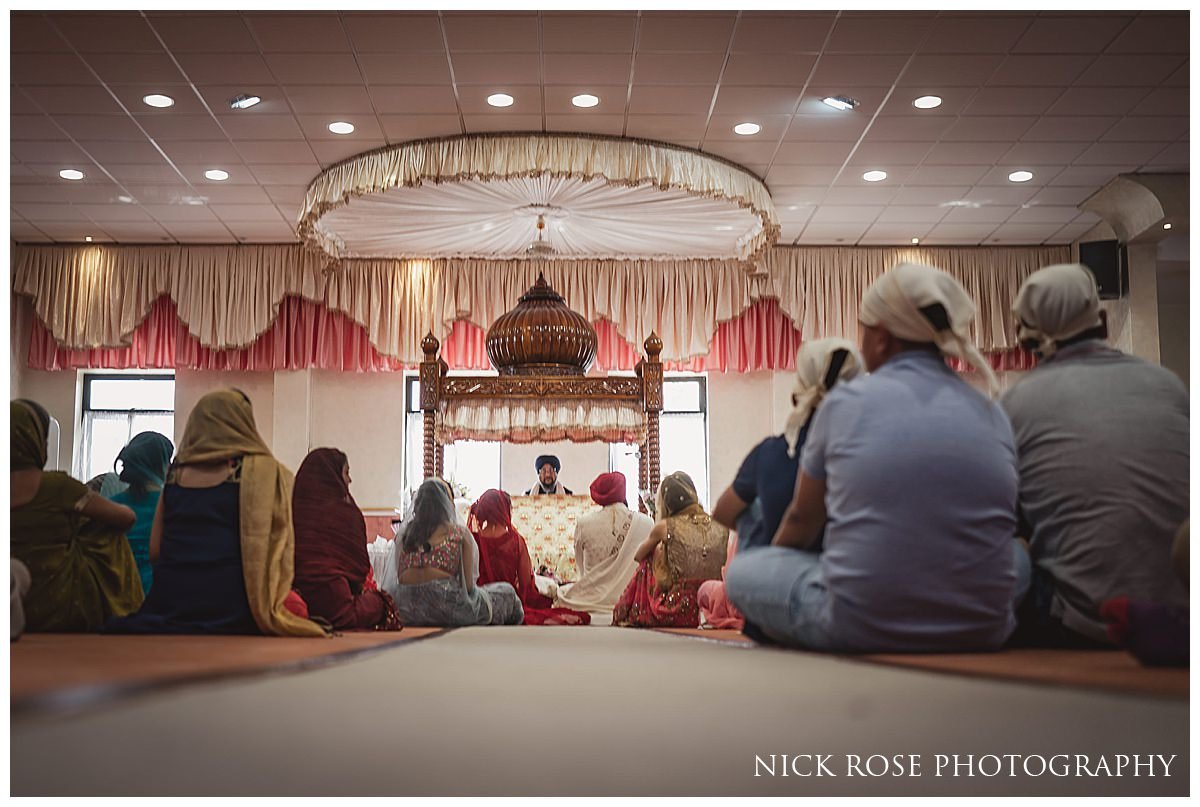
919, 303
1055, 303
813, 379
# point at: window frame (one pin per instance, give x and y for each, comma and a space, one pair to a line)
88, 378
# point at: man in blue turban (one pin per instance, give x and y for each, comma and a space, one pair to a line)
548, 467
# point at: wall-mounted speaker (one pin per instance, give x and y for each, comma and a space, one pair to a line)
1107, 261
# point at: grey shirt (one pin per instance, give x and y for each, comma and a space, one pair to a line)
1102, 445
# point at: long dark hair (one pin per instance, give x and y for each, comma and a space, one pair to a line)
431, 508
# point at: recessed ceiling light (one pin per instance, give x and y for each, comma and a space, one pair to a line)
70, 173
128, 200
500, 99
916, 240
584, 100
927, 102
160, 101
840, 102
216, 174
341, 127
875, 176
747, 128
1020, 176
243, 101
87, 238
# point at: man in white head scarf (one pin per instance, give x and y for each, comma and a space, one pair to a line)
909, 474
1102, 447
768, 473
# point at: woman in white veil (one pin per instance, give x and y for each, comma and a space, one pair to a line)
437, 566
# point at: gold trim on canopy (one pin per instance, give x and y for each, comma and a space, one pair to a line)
487, 157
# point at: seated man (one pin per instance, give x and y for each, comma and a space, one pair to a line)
912, 474
548, 467
1102, 447
606, 542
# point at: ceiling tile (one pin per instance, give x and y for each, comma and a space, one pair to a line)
954, 101
67, 232
771, 32
801, 174
435, 99
298, 33
50, 151
908, 127
1158, 129
1153, 33
108, 33
97, 127
1146, 70
332, 99
878, 33
742, 153
122, 151
1043, 153
496, 70
1175, 157
117, 212
912, 214
933, 195
862, 195
263, 232
846, 69
294, 152
71, 100
295, 174
1053, 129
833, 126
409, 68
882, 155
612, 99
720, 127
58, 193
316, 128
968, 233
1013, 101
48, 68
193, 233
599, 69
1092, 101
182, 127
131, 174
503, 123
996, 213
671, 100
869, 100
1023, 233
290, 196
998, 176
893, 233
399, 128
204, 33
678, 68
314, 68
897, 175
767, 69
50, 212
1118, 153
759, 100
949, 70
186, 151
136, 233
592, 123
527, 100
682, 129
186, 101
239, 213
672, 31
988, 128
217, 98
32, 33
815, 153
833, 232
797, 195
388, 33
467, 31
333, 151
264, 127
238, 69
588, 33
171, 213
969, 153
1044, 214
225, 194
947, 175
1060, 196
1173, 99
975, 34
1074, 34
1026, 70
239, 176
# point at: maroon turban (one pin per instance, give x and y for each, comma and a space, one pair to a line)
609, 489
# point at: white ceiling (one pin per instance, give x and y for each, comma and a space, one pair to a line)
1075, 97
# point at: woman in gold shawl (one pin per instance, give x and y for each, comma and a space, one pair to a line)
70, 538
685, 548
222, 541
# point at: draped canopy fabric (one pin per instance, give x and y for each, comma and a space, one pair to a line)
541, 420
228, 296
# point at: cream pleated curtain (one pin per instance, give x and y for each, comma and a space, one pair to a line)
541, 420
227, 296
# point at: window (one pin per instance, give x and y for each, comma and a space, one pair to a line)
470, 464
115, 408
683, 436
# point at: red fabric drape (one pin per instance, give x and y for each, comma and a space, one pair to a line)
306, 334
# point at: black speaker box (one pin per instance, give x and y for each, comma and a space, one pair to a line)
1107, 262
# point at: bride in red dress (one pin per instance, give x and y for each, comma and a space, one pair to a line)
504, 558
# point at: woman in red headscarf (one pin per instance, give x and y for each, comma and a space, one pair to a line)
332, 566
504, 558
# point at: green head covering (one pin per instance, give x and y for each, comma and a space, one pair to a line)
29, 426
145, 460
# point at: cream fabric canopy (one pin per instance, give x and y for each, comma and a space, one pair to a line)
623, 198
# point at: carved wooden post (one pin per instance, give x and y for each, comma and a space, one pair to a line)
652, 378
430, 383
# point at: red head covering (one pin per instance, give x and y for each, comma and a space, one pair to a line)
494, 507
609, 488
331, 534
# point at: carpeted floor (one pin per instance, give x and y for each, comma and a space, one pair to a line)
569, 711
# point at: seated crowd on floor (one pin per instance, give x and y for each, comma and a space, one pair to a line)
901, 510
